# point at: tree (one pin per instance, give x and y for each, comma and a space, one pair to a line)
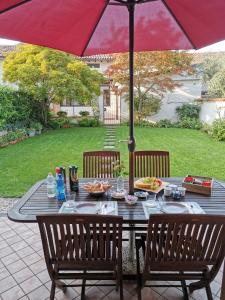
217, 84
51, 76
153, 73
16, 108
211, 66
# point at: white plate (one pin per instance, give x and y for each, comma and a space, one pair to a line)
175, 208
118, 195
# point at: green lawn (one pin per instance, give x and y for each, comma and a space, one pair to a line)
23, 164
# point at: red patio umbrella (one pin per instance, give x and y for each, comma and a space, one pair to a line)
108, 26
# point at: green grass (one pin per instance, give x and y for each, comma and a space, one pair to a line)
25, 163
191, 151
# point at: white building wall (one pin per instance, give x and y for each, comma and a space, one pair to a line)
188, 92
212, 110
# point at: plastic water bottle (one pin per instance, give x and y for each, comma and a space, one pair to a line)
51, 186
60, 190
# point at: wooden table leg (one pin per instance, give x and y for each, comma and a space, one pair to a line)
222, 296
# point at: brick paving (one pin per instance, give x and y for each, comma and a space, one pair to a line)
23, 272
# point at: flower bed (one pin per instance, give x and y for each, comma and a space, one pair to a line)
13, 137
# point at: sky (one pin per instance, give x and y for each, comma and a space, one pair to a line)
212, 48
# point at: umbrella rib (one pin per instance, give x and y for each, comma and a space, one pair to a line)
179, 24
14, 6
93, 31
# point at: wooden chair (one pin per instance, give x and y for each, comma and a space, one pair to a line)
152, 164
182, 247
98, 164
87, 247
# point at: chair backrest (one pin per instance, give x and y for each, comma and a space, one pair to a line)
152, 163
83, 241
184, 242
98, 164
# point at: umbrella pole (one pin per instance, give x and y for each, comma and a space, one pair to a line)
131, 142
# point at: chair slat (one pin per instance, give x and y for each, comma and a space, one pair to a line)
152, 163
98, 164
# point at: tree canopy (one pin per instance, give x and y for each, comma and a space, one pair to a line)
51, 76
153, 73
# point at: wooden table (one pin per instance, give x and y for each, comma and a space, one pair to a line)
35, 202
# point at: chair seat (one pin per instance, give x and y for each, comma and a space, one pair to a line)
90, 265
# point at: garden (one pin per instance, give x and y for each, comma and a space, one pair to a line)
27, 162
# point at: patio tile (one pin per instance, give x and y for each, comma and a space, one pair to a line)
3, 244
106, 289
13, 240
11, 258
30, 284
7, 283
69, 295
31, 259
40, 293
19, 245
38, 266
16, 266
43, 276
23, 275
114, 295
173, 293
4, 273
148, 293
5, 251
25, 252
9, 233
215, 287
94, 293
14, 293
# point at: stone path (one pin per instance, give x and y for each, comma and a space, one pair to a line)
110, 138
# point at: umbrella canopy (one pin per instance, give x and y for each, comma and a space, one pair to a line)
102, 26
108, 26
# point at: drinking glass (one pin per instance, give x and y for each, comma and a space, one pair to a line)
70, 200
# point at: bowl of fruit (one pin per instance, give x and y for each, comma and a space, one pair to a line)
150, 184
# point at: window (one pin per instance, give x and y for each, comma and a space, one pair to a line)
106, 97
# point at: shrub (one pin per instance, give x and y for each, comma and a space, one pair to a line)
218, 129
188, 110
62, 114
165, 123
89, 122
190, 123
16, 108
84, 113
144, 123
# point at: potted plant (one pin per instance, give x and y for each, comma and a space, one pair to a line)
38, 127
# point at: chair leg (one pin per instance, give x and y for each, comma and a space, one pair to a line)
209, 292
83, 289
121, 289
139, 279
52, 293
184, 289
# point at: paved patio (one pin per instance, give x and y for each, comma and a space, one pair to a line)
23, 272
